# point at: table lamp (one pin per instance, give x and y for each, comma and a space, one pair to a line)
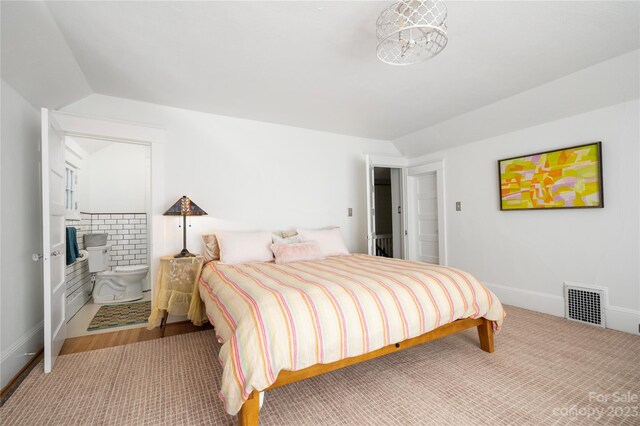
184, 207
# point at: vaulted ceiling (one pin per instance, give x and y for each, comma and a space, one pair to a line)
306, 64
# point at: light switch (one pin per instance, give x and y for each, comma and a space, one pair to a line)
350, 212
458, 206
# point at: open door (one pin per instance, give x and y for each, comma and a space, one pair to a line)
371, 202
426, 207
53, 238
424, 218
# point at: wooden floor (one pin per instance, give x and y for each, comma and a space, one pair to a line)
124, 337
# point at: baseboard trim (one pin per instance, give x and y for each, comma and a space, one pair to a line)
18, 378
617, 317
623, 319
15, 357
532, 300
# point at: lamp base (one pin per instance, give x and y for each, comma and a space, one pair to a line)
184, 253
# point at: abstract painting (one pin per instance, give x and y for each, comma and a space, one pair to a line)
565, 178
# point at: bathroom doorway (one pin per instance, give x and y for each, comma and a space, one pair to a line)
56, 181
108, 206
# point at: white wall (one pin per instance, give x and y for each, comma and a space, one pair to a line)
526, 255
251, 175
118, 177
21, 293
607, 83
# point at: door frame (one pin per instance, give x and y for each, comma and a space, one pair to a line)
390, 162
437, 166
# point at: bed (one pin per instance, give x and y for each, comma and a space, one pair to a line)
279, 324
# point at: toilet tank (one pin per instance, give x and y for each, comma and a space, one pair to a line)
98, 258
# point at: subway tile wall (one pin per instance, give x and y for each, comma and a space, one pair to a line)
127, 237
77, 277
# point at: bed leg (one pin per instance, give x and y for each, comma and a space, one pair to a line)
485, 332
250, 411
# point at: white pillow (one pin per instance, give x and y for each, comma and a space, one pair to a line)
244, 247
330, 240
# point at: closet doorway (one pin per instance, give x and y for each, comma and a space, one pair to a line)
386, 198
387, 212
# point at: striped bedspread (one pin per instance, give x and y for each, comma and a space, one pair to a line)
287, 317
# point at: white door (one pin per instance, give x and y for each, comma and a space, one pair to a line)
396, 218
371, 201
53, 238
425, 239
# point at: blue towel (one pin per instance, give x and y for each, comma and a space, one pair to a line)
72, 245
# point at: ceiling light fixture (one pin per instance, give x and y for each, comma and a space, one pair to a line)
411, 31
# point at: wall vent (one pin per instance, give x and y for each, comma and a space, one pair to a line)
585, 304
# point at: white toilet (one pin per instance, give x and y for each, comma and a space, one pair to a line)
123, 284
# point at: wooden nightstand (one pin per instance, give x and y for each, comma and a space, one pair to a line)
176, 291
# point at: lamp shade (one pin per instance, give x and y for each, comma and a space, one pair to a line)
185, 207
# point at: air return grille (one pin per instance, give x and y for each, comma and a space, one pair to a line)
584, 304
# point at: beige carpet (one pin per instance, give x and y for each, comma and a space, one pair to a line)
542, 372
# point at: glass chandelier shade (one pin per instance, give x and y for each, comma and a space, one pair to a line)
411, 31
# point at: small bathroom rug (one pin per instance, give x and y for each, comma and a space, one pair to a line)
120, 315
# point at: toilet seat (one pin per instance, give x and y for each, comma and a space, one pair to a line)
131, 268
128, 269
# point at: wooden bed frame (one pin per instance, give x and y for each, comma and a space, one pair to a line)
250, 411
